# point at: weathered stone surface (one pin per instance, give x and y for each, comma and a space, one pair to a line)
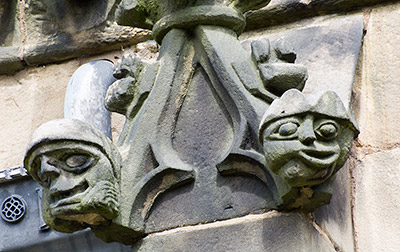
55, 31
377, 202
185, 127
265, 232
147, 51
156, 14
97, 40
199, 112
46, 18
285, 11
328, 49
117, 124
376, 96
336, 217
10, 61
9, 24
28, 99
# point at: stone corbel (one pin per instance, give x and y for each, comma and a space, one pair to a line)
79, 169
306, 139
213, 131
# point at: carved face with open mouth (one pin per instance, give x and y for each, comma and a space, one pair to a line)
306, 138
79, 179
303, 150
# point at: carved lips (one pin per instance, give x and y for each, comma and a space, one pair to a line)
64, 202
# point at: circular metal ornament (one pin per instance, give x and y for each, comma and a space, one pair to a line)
13, 208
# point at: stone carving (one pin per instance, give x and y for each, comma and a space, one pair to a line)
67, 16
79, 170
276, 64
192, 150
306, 139
125, 96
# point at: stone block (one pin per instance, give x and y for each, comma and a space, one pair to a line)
45, 18
60, 30
376, 91
97, 40
285, 11
10, 61
28, 99
329, 49
9, 23
377, 202
263, 232
336, 217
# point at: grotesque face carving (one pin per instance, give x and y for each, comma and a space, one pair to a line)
303, 150
79, 177
305, 145
80, 181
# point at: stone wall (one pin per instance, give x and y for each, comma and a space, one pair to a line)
37, 63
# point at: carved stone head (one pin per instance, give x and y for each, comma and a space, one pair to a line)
78, 167
306, 137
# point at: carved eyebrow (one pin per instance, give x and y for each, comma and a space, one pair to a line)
57, 153
60, 151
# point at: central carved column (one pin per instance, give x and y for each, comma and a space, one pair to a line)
212, 131
196, 133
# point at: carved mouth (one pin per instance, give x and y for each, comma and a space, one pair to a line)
319, 158
70, 197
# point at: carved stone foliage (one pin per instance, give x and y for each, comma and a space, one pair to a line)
201, 141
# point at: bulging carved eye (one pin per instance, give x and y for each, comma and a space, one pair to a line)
76, 160
288, 129
327, 131
284, 129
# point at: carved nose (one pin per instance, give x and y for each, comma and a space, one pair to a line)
306, 134
47, 168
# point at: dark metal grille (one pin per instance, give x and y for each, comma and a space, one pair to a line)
13, 208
